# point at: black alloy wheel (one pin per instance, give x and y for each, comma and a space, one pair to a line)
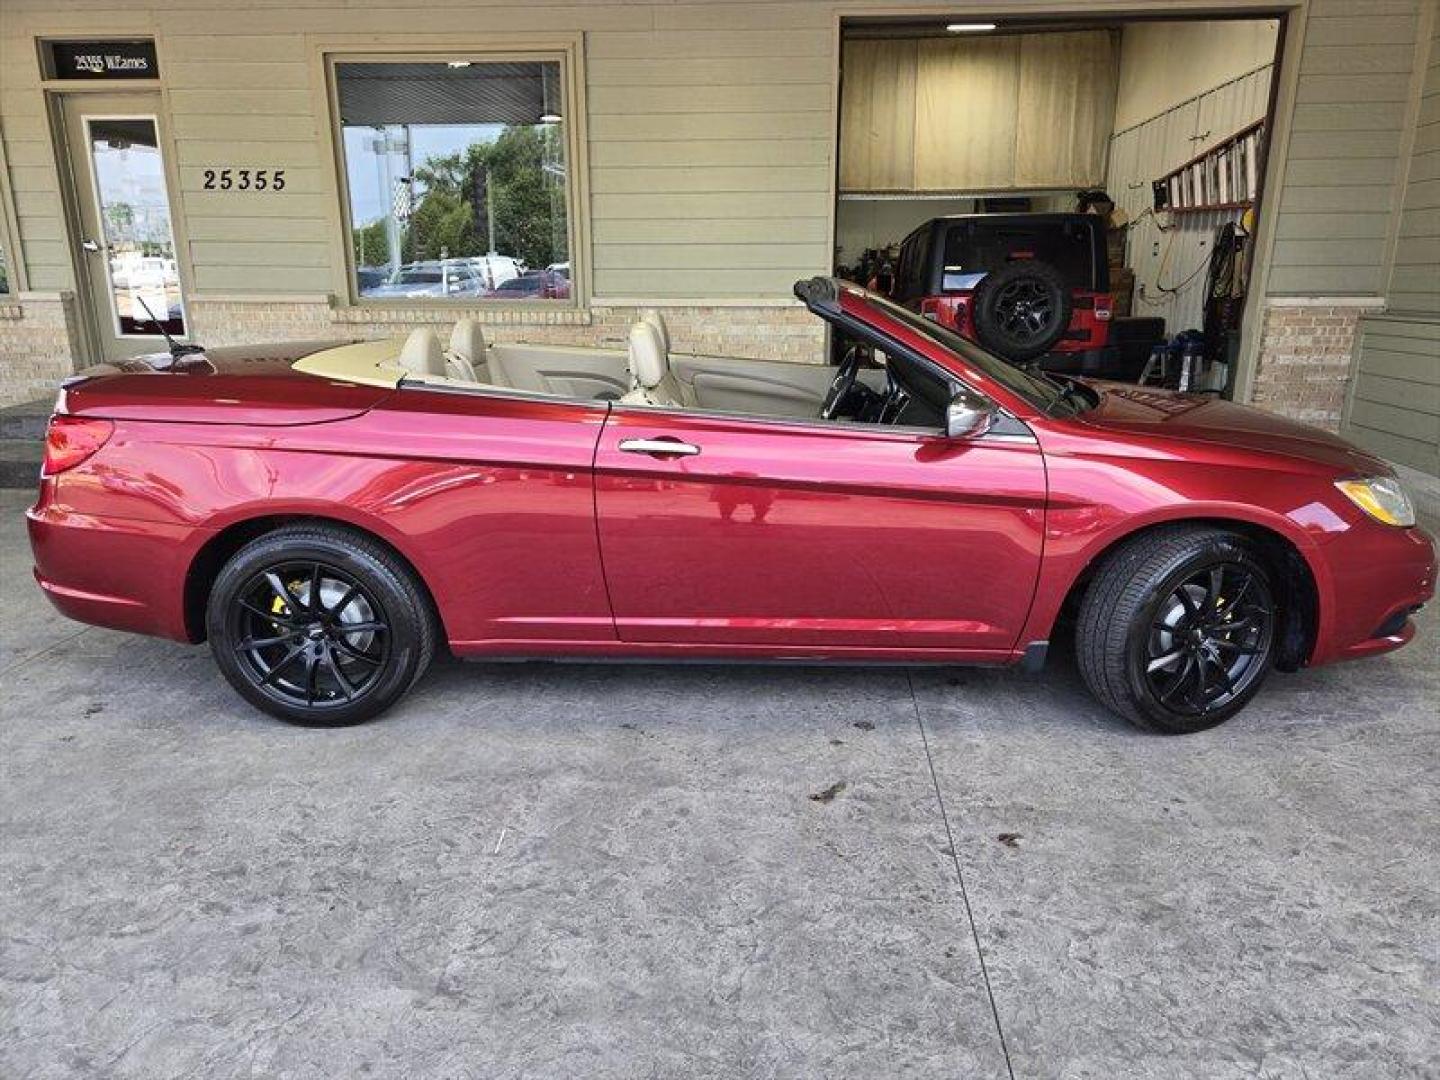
319, 625
1212, 639
309, 634
1177, 628
1023, 308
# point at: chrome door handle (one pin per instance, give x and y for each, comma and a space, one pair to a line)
659, 447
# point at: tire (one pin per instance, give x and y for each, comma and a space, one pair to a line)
369, 642
1177, 631
1021, 310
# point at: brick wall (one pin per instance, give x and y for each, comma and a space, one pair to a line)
1306, 355
773, 332
37, 346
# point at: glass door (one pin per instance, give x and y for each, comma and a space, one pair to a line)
127, 239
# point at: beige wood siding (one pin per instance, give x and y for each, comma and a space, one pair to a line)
711, 157
711, 133
1415, 275
1394, 407
33, 176
1344, 155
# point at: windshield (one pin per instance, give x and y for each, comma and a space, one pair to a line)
1046, 393
416, 277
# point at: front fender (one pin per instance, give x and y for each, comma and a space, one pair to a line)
1095, 506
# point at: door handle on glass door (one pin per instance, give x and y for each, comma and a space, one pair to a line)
659, 447
91, 245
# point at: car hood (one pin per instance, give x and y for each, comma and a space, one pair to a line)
1201, 418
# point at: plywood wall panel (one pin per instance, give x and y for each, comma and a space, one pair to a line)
1067, 102
965, 113
877, 115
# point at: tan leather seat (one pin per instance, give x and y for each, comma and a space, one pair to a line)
467, 352
422, 353
652, 381
655, 319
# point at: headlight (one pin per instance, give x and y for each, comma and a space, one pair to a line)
1382, 498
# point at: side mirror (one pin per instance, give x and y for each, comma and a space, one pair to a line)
969, 415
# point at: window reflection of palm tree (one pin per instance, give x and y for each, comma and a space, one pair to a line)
731, 496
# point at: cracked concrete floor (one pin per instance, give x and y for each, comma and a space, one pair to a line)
567, 871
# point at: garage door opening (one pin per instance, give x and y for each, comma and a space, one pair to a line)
1079, 195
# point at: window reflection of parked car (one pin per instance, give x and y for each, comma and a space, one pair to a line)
534, 285
561, 268
369, 277
430, 280
132, 270
495, 270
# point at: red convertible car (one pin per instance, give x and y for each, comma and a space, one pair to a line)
330, 515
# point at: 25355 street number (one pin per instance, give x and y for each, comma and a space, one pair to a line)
244, 180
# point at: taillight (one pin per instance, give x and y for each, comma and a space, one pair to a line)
942, 310
69, 440
1102, 306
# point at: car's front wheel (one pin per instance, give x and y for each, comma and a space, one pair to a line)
319, 625
1177, 628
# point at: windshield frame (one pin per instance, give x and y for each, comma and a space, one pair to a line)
1045, 393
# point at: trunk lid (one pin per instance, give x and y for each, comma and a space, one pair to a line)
254, 385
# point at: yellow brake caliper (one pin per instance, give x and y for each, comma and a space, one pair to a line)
279, 606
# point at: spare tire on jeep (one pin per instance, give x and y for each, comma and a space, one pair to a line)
1021, 310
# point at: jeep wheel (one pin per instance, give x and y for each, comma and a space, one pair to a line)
1021, 310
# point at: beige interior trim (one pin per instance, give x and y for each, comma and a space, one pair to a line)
369, 363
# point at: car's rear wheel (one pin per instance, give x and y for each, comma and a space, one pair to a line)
319, 625
1022, 310
1177, 629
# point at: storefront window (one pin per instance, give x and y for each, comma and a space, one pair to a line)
457, 179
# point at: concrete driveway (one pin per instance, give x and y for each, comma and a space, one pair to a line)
630, 872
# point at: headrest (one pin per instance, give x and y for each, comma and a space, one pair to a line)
422, 353
655, 319
468, 340
647, 355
